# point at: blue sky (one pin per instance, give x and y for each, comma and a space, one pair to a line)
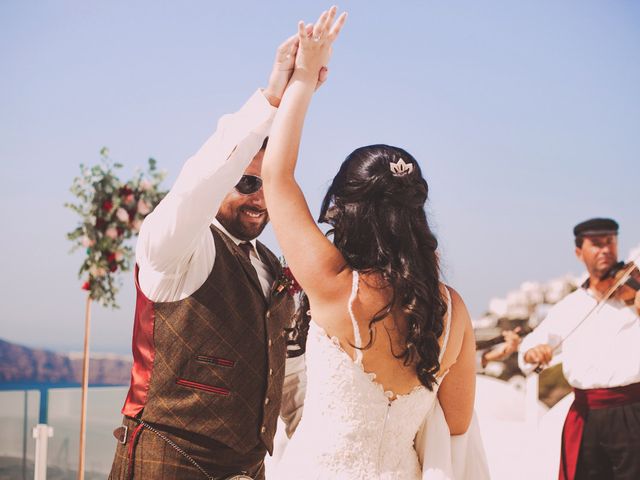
523, 115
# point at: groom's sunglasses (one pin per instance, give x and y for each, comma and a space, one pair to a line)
248, 184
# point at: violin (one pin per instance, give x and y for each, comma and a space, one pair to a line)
627, 277
492, 342
622, 281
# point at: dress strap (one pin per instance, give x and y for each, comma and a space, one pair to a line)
447, 324
356, 330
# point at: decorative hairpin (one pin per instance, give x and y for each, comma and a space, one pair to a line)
401, 168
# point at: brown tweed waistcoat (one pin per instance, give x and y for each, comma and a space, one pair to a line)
213, 363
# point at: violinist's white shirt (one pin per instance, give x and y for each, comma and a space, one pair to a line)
602, 352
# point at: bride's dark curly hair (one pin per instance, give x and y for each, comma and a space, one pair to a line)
380, 226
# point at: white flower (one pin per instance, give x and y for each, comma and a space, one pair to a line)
145, 184
97, 271
122, 215
87, 242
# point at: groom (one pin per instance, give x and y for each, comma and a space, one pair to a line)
209, 345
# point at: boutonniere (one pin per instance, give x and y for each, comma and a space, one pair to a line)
287, 281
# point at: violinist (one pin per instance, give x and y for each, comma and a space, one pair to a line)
597, 330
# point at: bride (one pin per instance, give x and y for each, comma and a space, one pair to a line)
389, 348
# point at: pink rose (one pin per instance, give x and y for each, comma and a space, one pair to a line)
122, 215
129, 198
119, 256
112, 232
136, 225
87, 242
145, 185
143, 207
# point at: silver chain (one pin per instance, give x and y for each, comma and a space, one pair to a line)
176, 448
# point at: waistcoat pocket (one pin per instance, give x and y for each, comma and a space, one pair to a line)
201, 386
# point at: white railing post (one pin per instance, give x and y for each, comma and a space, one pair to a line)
531, 402
41, 432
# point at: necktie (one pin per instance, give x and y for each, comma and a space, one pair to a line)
246, 248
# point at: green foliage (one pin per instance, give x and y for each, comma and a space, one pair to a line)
111, 212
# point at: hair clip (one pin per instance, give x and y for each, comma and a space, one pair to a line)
401, 168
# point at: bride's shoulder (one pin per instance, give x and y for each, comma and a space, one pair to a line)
459, 323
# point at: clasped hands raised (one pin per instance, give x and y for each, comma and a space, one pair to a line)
305, 55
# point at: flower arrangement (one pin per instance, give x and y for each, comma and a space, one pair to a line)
287, 281
111, 212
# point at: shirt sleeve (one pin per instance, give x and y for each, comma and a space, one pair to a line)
293, 392
548, 332
171, 233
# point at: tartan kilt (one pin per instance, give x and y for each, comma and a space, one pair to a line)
145, 455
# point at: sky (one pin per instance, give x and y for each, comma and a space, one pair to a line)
523, 115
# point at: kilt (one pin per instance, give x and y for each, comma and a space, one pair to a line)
145, 455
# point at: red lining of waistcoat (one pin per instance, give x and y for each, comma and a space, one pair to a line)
143, 348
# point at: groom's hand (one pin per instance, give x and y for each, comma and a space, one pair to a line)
282, 70
283, 67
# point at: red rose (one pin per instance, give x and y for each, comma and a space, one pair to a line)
113, 267
107, 205
111, 257
100, 224
293, 286
86, 286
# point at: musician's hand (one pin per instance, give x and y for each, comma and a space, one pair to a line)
511, 341
540, 354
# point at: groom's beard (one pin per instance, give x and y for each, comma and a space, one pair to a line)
246, 223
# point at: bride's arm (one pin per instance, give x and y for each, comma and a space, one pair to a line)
457, 391
312, 258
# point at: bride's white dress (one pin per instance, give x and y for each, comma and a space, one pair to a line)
351, 428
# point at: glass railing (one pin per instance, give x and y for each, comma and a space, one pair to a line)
18, 416
21, 412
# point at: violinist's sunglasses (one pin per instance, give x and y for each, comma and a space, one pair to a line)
248, 184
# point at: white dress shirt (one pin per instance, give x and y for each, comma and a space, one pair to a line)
176, 251
602, 352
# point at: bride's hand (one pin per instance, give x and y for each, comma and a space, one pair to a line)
315, 44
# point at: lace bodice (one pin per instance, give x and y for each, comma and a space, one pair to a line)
352, 428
